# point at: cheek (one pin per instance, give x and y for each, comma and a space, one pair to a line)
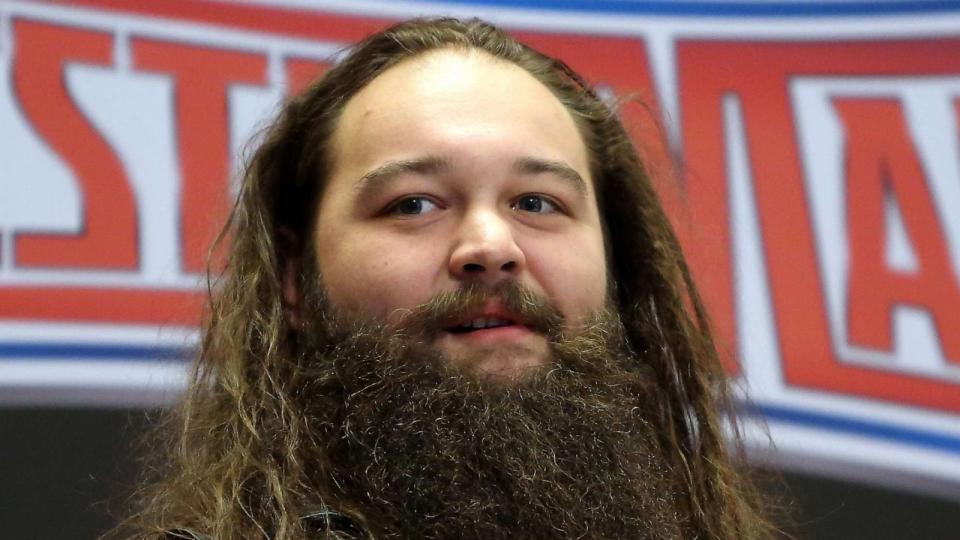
375, 275
573, 273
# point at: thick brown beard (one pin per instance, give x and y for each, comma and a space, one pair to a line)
420, 449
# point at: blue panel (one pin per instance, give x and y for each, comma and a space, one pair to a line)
83, 351
853, 426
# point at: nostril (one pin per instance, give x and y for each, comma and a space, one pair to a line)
473, 268
509, 266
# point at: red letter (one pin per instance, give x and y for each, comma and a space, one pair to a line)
108, 237
759, 74
201, 77
880, 158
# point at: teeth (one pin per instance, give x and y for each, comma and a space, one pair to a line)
481, 322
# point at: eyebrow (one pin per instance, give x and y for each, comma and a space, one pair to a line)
432, 165
531, 165
380, 175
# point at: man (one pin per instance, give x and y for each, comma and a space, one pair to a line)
453, 308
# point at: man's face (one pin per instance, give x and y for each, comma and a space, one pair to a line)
453, 168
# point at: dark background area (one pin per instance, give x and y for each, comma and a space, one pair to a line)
66, 472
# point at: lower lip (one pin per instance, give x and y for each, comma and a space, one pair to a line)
499, 334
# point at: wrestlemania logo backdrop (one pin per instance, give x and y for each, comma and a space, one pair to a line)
809, 153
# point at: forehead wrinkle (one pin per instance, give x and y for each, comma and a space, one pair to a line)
391, 169
532, 165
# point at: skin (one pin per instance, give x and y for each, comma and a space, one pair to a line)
451, 167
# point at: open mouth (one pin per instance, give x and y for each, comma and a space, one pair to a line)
480, 323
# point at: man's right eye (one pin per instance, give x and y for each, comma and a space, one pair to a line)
413, 206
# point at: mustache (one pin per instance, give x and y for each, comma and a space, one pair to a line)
449, 308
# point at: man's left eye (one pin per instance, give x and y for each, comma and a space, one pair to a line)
537, 204
413, 206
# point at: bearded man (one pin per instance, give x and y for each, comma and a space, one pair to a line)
453, 308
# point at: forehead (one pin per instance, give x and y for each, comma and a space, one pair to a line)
459, 102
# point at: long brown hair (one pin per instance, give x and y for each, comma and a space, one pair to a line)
233, 461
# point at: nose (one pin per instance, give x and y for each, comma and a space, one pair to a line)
486, 249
